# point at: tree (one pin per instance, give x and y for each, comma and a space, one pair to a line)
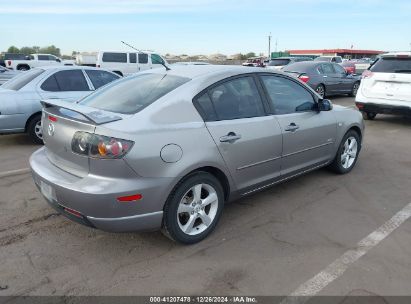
13, 50
27, 50
51, 50
249, 55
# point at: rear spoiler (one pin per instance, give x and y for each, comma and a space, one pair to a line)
92, 114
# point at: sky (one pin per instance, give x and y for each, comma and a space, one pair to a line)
206, 26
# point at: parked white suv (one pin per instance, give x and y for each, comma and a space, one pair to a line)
126, 63
386, 86
33, 61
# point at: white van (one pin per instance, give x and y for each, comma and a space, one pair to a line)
126, 63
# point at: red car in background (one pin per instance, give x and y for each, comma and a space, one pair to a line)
349, 66
255, 62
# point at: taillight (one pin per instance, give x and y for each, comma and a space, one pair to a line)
98, 66
360, 106
99, 146
304, 78
367, 74
9, 62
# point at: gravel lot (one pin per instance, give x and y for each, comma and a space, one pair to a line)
267, 244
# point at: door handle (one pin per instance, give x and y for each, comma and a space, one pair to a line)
230, 137
292, 127
325, 76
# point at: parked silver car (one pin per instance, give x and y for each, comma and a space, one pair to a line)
20, 108
166, 149
6, 74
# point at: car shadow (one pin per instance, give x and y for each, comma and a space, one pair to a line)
16, 139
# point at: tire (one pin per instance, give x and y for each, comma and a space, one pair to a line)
369, 115
34, 130
344, 164
320, 89
188, 221
23, 68
355, 89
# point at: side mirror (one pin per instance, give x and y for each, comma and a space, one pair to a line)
58, 60
325, 105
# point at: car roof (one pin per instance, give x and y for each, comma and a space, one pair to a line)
394, 54
68, 67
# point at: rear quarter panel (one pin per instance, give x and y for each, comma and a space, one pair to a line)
347, 118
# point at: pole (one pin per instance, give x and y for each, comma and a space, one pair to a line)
269, 47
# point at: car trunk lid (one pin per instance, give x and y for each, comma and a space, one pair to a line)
390, 86
60, 121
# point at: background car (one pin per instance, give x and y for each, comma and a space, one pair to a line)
335, 59
6, 74
166, 149
325, 78
280, 62
349, 66
386, 86
20, 108
127, 63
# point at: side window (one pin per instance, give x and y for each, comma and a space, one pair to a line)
142, 58
327, 68
156, 59
52, 58
43, 57
286, 96
339, 69
132, 57
320, 70
115, 57
338, 60
237, 98
71, 80
100, 78
205, 107
50, 85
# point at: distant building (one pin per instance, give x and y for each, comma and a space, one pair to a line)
345, 53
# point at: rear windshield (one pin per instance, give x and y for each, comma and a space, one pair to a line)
279, 62
21, 80
132, 94
392, 65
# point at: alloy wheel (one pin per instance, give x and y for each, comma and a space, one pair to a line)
197, 209
320, 90
38, 130
349, 153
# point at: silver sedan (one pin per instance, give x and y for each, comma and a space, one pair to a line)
166, 149
20, 108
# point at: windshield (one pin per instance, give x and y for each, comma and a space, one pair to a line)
21, 80
279, 62
392, 65
131, 95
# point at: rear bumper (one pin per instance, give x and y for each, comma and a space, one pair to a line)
92, 200
379, 108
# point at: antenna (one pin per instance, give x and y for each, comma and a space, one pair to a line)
141, 52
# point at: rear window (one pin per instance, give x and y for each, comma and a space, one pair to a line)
132, 94
21, 80
115, 57
279, 62
392, 65
14, 57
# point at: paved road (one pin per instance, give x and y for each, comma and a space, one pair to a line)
267, 244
